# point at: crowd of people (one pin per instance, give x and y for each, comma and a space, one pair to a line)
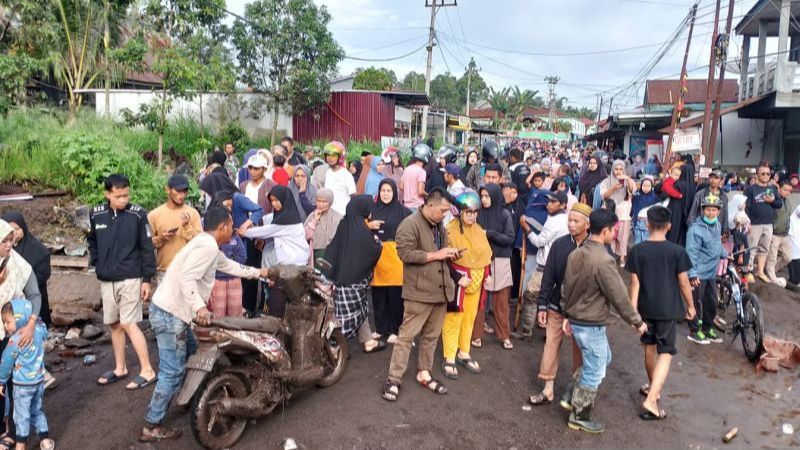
442, 247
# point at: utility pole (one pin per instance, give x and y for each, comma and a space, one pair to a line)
433, 5
678, 108
472, 67
723, 55
707, 116
552, 81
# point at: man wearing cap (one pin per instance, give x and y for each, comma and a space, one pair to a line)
173, 224
554, 227
715, 180
549, 312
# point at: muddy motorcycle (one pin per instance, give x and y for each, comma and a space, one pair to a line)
245, 368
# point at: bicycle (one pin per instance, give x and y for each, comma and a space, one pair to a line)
749, 322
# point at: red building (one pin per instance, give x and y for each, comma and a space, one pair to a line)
355, 115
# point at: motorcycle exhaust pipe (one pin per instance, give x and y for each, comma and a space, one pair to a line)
255, 405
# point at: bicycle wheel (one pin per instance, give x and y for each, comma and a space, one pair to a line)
726, 315
752, 327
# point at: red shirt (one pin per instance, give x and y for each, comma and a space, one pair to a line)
281, 176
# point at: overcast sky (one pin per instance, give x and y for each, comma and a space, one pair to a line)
492, 31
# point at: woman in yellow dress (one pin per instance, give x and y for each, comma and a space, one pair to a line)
471, 271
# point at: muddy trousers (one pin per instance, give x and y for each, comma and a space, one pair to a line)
425, 320
705, 302
552, 345
529, 299
176, 343
457, 329
780, 251
501, 312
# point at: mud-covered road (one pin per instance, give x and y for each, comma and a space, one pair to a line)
710, 390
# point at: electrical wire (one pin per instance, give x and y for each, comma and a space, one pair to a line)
394, 58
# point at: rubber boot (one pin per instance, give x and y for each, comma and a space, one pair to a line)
581, 416
528, 316
566, 399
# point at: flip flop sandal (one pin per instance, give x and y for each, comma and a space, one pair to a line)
163, 435
476, 343
391, 391
435, 386
507, 345
453, 375
141, 382
111, 378
648, 415
539, 399
469, 364
380, 346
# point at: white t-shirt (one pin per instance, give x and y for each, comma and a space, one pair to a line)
251, 192
343, 185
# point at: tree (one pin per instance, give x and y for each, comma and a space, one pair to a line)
286, 53
184, 54
414, 82
373, 79
477, 86
520, 101
28, 32
501, 105
444, 93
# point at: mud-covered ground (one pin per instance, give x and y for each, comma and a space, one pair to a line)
47, 217
710, 390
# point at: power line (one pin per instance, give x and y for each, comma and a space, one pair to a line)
360, 52
395, 58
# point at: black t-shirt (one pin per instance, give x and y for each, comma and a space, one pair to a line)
657, 264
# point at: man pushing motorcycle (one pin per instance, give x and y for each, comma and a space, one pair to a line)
180, 298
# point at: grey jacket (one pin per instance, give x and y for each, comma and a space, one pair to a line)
696, 211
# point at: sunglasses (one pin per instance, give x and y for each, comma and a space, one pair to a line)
471, 211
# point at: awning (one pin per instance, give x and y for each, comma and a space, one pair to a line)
695, 121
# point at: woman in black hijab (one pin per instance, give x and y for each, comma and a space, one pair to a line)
353, 253
387, 282
497, 223
35, 253
355, 170
594, 174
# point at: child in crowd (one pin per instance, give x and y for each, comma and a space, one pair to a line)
25, 366
704, 245
740, 234
668, 187
643, 199
279, 174
659, 280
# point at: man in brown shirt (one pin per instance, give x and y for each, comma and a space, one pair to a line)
592, 285
427, 287
173, 224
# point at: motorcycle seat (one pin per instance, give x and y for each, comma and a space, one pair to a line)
267, 324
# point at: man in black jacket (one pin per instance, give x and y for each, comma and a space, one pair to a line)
549, 312
121, 250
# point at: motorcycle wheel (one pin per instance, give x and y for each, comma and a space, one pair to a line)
211, 429
335, 369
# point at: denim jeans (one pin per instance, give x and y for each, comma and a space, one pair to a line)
593, 342
175, 343
640, 232
28, 411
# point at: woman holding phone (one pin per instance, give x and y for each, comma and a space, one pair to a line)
619, 187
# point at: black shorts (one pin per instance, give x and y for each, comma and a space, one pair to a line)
660, 333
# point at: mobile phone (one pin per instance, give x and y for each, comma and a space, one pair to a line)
621, 181
173, 230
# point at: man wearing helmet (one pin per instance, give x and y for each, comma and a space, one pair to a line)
337, 179
704, 246
413, 181
491, 155
446, 155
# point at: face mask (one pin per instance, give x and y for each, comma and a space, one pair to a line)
710, 221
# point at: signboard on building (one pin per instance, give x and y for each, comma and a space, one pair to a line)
686, 140
544, 135
463, 122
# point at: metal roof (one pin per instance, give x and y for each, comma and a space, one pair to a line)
769, 12
665, 92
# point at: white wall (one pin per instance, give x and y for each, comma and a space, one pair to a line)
132, 99
763, 135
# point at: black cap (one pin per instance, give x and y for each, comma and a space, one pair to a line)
558, 196
178, 182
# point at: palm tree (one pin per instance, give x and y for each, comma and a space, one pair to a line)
500, 103
521, 100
